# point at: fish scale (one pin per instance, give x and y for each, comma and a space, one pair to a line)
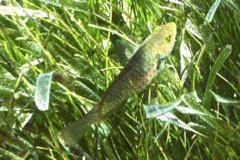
134, 78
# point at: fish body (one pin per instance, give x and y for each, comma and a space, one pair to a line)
134, 78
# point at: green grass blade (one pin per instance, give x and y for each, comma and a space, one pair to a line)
216, 67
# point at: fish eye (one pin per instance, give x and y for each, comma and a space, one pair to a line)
168, 38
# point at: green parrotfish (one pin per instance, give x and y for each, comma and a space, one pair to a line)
134, 78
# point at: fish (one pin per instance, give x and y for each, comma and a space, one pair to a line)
134, 78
